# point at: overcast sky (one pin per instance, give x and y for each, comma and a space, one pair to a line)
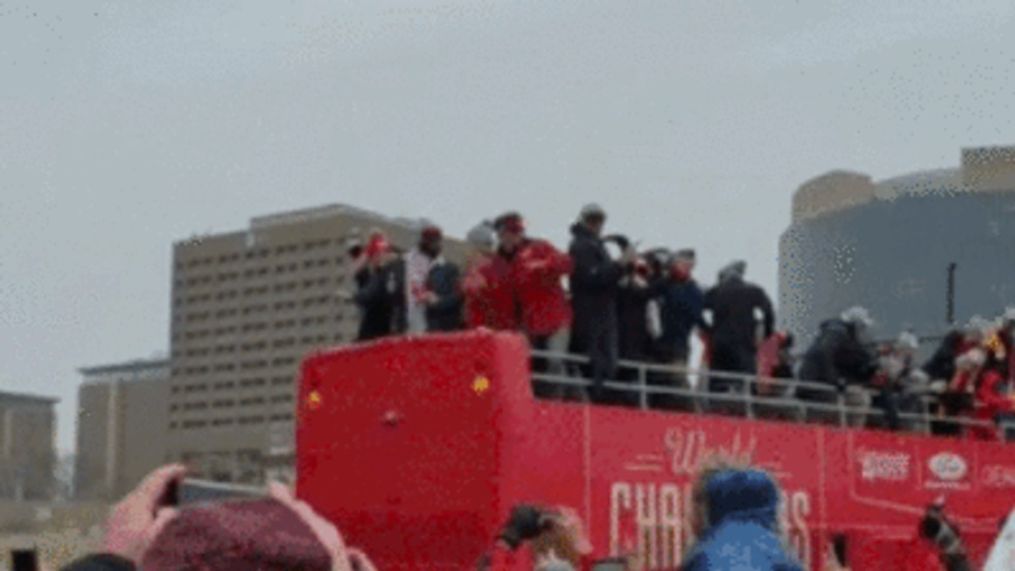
127, 125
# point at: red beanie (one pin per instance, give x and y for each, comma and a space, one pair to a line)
249, 534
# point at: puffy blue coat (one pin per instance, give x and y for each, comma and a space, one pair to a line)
742, 526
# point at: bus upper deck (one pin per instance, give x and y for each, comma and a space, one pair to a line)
419, 447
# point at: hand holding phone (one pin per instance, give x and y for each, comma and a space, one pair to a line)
143, 513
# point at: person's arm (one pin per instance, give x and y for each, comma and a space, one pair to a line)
371, 288
134, 523
828, 346
765, 304
696, 301
560, 263
590, 272
988, 394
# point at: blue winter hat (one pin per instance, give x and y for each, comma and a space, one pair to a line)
746, 495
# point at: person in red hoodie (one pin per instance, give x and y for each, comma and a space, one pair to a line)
486, 286
991, 391
541, 305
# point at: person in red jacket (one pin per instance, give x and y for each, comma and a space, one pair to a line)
489, 301
536, 270
991, 391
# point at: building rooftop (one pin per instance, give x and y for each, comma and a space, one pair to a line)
126, 366
24, 398
982, 169
314, 213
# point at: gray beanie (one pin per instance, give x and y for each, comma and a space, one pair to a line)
482, 236
735, 269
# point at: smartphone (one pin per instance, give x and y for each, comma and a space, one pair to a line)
24, 560
191, 491
613, 564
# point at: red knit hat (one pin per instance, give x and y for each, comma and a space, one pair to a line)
510, 222
250, 534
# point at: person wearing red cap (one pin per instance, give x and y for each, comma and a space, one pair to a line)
541, 305
418, 263
379, 293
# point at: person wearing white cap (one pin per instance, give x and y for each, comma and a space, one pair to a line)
840, 359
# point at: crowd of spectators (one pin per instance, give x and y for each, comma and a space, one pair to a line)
608, 302
734, 516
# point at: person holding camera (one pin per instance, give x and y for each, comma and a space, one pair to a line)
554, 539
278, 532
946, 539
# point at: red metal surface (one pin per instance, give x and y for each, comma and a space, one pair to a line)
417, 448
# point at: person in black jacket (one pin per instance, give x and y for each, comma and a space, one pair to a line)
637, 289
595, 283
681, 305
733, 328
840, 358
443, 296
380, 292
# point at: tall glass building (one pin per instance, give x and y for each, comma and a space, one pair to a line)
919, 250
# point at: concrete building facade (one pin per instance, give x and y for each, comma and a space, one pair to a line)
247, 306
121, 426
920, 251
27, 446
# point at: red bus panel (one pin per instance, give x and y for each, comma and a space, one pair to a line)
419, 447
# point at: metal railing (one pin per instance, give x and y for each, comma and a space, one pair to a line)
783, 398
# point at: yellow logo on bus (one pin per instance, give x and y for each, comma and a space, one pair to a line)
480, 384
314, 400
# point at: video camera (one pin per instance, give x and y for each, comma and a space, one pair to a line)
939, 530
526, 522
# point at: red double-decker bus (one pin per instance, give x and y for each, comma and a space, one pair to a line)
418, 448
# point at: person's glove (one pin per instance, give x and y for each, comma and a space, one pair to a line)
526, 522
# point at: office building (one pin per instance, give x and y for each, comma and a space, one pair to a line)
27, 447
247, 306
121, 426
921, 251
